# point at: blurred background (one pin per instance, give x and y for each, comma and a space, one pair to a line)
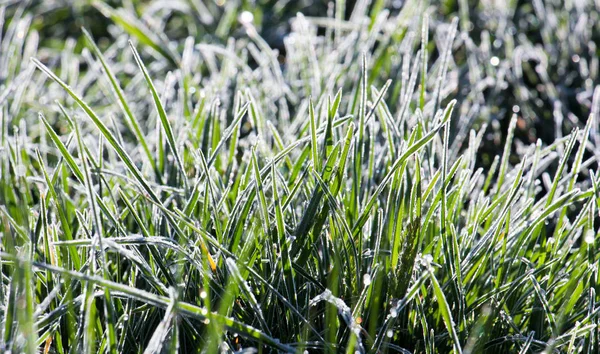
537, 60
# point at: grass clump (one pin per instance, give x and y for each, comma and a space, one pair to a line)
165, 194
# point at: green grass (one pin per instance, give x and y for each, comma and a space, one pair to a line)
198, 190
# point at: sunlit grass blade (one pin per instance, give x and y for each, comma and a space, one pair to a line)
118, 92
136, 28
165, 123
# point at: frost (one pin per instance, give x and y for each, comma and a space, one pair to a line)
344, 311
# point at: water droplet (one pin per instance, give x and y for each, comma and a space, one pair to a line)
589, 237
203, 294
390, 333
516, 109
246, 17
367, 279
494, 61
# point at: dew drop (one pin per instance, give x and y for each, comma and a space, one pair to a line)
246, 17
589, 237
367, 279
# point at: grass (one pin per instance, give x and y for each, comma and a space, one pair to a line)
365, 187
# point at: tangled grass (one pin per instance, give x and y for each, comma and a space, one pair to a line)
386, 180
